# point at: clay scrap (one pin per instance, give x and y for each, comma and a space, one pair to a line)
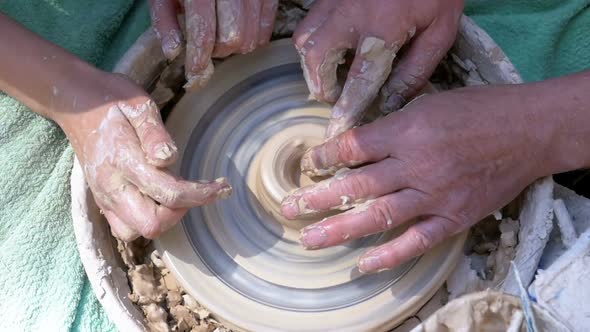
487, 266
486, 311
166, 306
536, 220
564, 288
549, 253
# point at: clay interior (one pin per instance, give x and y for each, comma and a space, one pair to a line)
275, 170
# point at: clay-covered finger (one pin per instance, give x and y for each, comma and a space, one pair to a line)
415, 241
171, 191
200, 40
410, 75
252, 11
119, 229
317, 15
371, 67
230, 27
373, 216
349, 149
346, 189
156, 143
322, 53
165, 23
268, 14
143, 214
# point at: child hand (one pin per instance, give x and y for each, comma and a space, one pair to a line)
122, 145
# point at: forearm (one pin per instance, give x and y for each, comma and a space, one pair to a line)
559, 110
43, 76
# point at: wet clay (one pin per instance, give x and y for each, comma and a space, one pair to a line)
275, 170
256, 133
165, 304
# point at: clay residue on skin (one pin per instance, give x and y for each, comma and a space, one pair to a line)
411, 32
360, 207
313, 88
266, 21
228, 12
172, 39
305, 210
165, 304
360, 90
344, 200
327, 73
165, 151
196, 35
303, 231
105, 136
171, 44
196, 81
310, 168
135, 112
355, 204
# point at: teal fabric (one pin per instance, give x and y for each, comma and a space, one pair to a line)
42, 284
543, 38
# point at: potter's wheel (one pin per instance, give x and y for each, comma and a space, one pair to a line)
238, 257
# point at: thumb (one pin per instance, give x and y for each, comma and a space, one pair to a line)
156, 143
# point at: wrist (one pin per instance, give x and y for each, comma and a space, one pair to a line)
75, 92
559, 111
45, 77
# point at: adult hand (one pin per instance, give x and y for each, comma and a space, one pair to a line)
445, 161
123, 147
377, 29
213, 29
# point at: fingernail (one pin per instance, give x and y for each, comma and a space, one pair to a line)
371, 263
289, 207
313, 237
221, 180
171, 44
165, 151
226, 189
393, 103
225, 192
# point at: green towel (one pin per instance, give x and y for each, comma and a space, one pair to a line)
42, 282
543, 38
